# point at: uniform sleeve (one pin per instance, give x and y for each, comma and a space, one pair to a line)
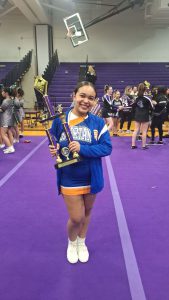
103, 148
17, 103
21, 102
56, 128
4, 105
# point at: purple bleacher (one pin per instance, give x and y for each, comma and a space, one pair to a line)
119, 75
5, 68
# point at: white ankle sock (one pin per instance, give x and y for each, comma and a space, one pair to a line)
81, 240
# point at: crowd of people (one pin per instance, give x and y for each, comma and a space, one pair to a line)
148, 108
11, 118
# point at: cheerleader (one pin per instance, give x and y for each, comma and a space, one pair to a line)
117, 108
107, 110
7, 120
21, 115
160, 102
143, 106
79, 183
126, 113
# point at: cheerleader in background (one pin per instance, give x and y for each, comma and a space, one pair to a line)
2, 145
160, 108
7, 120
19, 96
142, 108
107, 110
126, 113
117, 108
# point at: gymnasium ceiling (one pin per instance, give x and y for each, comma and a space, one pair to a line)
50, 11
53, 11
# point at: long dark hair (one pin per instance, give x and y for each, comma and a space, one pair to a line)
141, 89
84, 83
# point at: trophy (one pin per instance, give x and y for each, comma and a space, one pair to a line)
68, 158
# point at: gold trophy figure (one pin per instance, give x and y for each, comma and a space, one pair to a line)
41, 86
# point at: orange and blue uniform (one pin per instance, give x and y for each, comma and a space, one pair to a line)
85, 176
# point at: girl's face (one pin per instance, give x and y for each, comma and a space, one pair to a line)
84, 99
3, 94
110, 91
117, 95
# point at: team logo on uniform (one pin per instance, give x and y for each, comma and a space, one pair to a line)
79, 133
96, 134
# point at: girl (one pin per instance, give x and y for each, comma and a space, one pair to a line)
7, 120
107, 111
19, 96
79, 183
117, 107
143, 106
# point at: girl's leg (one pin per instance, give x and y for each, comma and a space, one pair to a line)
129, 120
152, 130
109, 123
16, 133
144, 133
76, 210
83, 253
115, 125
89, 200
22, 126
10, 135
134, 135
5, 138
122, 120
160, 130
1, 140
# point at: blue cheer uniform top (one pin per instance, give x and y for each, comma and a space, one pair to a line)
75, 178
85, 176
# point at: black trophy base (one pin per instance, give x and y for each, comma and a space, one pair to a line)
68, 162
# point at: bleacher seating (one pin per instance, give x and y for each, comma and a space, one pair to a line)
5, 68
119, 75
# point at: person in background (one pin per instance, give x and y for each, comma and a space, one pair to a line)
7, 120
79, 183
143, 106
107, 110
126, 113
19, 96
160, 102
91, 75
134, 92
117, 108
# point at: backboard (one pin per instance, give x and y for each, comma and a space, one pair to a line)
75, 29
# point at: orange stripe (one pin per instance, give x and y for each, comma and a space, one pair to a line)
76, 121
75, 191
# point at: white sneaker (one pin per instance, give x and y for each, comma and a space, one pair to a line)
83, 253
15, 141
72, 256
9, 150
2, 146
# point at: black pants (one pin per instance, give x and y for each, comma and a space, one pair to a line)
125, 116
157, 122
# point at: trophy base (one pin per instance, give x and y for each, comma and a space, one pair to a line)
68, 162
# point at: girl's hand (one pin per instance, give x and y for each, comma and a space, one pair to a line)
154, 102
53, 149
120, 107
74, 146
